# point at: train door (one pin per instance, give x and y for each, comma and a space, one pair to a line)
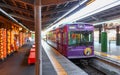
64, 45
62, 40
59, 42
57, 38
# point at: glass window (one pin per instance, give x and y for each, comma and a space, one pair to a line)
86, 37
80, 38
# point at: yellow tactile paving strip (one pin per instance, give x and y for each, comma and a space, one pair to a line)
107, 55
59, 69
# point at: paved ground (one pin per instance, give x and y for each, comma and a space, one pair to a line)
47, 68
112, 49
16, 64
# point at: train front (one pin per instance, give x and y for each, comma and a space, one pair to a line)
80, 41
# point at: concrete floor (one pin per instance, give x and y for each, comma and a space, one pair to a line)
47, 68
112, 49
16, 64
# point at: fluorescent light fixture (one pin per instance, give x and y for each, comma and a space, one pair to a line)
93, 8
97, 6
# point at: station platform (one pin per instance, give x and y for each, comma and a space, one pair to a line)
16, 64
113, 51
53, 63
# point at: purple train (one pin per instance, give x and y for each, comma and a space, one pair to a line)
73, 40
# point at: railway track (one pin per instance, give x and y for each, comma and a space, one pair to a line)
98, 66
91, 70
84, 64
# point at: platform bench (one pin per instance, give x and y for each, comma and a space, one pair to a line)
31, 58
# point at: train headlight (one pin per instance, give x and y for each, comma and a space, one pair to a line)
88, 51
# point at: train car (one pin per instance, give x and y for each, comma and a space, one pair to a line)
73, 40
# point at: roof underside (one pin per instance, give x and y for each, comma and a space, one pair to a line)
23, 11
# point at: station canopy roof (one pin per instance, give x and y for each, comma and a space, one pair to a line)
53, 11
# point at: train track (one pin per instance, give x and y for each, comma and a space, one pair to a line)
85, 65
98, 66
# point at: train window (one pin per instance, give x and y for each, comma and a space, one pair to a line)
80, 38
86, 36
72, 38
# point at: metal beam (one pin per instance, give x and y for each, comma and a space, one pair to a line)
46, 2
31, 2
110, 13
4, 1
22, 17
16, 8
97, 19
14, 2
49, 19
54, 11
66, 4
112, 17
55, 2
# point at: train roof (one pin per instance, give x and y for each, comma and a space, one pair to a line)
62, 25
74, 23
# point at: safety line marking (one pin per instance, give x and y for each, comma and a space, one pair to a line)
107, 55
57, 66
